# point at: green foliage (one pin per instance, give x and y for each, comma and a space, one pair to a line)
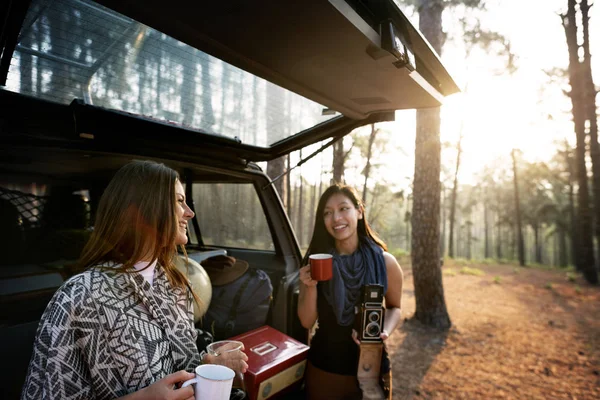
577, 289
571, 277
491, 42
461, 261
544, 267
386, 215
398, 253
449, 272
497, 280
549, 286
472, 271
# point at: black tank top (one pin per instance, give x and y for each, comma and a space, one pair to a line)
332, 348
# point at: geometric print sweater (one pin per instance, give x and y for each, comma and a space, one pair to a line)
105, 334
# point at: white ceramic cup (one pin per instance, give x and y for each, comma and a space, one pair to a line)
212, 382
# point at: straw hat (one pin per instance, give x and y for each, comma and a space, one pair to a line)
200, 282
224, 269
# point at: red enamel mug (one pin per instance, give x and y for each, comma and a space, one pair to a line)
321, 266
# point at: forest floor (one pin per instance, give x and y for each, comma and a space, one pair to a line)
517, 333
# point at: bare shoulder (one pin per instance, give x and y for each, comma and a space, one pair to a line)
395, 280
390, 261
392, 266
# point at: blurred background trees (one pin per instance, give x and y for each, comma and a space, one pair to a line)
558, 211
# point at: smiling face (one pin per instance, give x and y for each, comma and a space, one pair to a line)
183, 214
341, 218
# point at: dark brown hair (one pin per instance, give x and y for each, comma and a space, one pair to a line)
322, 241
136, 220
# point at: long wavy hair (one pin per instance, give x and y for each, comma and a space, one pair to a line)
136, 220
322, 241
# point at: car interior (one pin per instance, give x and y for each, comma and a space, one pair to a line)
47, 217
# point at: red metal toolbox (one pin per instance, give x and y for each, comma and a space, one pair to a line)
276, 362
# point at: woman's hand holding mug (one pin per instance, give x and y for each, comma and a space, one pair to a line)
166, 388
305, 277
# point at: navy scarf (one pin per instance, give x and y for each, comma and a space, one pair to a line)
350, 272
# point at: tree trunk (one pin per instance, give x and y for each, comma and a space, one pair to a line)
338, 162
321, 177
208, 114
562, 248
512, 240
453, 200
429, 291
536, 241
59, 78
486, 236
427, 275
225, 79
187, 101
407, 218
443, 216
217, 212
585, 243
26, 66
519, 227
469, 227
313, 208
590, 103
157, 104
288, 187
300, 215
275, 168
368, 165
499, 241
573, 234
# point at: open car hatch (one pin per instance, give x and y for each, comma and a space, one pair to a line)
323, 50
260, 78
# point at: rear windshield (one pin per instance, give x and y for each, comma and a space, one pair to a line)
71, 49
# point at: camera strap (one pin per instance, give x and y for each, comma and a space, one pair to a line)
369, 368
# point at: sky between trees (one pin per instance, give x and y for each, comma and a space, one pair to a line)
497, 111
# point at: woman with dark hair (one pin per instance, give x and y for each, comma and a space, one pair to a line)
123, 328
359, 258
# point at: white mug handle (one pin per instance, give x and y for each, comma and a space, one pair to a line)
189, 382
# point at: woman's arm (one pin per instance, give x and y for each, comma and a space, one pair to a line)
393, 297
307, 302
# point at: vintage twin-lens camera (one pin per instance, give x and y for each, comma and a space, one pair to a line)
369, 317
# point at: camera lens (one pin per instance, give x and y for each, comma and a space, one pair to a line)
372, 329
374, 316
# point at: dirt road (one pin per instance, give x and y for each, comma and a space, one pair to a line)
518, 333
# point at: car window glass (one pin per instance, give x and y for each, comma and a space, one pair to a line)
71, 49
230, 215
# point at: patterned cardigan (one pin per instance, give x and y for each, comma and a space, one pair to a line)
106, 334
